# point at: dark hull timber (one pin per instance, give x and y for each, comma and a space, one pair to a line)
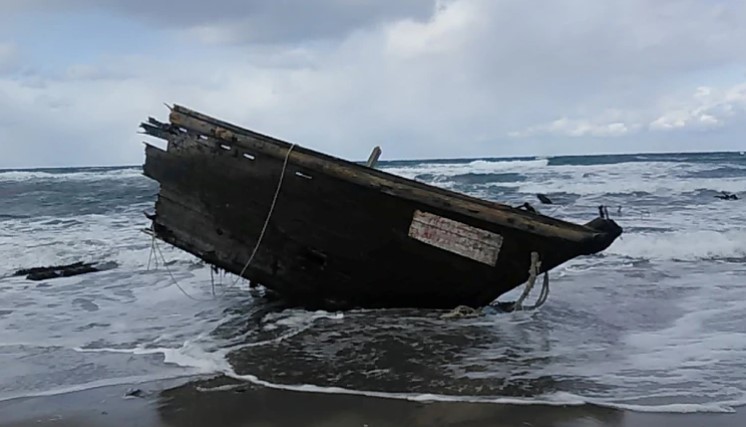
342, 232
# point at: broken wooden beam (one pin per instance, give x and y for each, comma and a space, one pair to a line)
374, 155
66, 270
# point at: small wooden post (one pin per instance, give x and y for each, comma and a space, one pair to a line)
374, 155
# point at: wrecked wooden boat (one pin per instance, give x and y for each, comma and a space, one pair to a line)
318, 230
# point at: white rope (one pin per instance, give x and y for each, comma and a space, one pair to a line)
212, 282
269, 215
155, 250
173, 279
460, 311
154, 245
214, 270
533, 272
151, 256
543, 295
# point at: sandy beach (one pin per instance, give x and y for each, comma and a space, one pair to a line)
223, 402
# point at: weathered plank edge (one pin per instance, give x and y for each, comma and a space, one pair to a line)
456, 237
503, 215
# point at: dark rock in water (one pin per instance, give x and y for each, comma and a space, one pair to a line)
51, 272
727, 196
544, 199
133, 392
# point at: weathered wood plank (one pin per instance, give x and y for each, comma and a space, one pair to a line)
374, 155
391, 184
377, 261
462, 239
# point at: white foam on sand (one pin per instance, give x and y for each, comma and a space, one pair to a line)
215, 363
675, 408
109, 382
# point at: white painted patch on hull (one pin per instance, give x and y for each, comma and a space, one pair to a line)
462, 239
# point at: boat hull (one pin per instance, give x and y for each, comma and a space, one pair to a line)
340, 233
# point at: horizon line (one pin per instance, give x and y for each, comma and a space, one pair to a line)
431, 159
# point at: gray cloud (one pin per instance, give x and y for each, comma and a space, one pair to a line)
237, 21
470, 78
8, 57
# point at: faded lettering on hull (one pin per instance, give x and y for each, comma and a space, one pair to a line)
462, 239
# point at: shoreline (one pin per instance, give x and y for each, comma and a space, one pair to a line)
219, 400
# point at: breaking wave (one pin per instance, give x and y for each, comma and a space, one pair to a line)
608, 184
463, 168
682, 245
541, 176
95, 174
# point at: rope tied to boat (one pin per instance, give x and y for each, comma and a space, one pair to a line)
461, 311
533, 273
269, 215
155, 249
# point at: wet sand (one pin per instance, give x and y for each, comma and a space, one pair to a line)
231, 404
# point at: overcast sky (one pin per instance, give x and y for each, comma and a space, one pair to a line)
420, 78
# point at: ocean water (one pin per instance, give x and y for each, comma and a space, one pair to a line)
655, 323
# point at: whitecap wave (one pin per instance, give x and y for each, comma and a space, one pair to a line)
476, 166
608, 184
682, 245
68, 175
539, 176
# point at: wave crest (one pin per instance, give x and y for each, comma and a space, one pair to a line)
69, 174
682, 245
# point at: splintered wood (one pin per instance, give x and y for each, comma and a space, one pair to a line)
462, 239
